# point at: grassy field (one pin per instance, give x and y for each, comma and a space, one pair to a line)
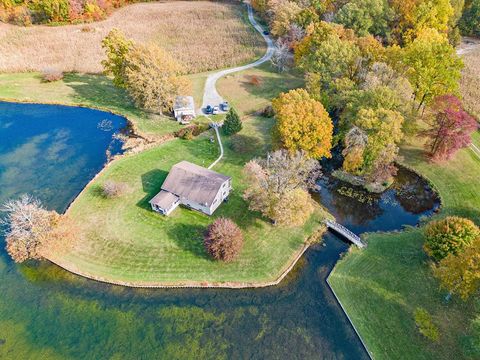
247, 97
124, 241
223, 38
470, 82
381, 286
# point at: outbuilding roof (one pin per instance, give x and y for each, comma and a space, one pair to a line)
164, 200
194, 183
184, 102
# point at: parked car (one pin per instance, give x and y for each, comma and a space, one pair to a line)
215, 110
266, 32
225, 106
208, 109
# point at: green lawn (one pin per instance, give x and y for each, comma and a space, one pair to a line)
248, 98
123, 240
381, 286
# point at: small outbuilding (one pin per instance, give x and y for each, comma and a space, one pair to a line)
184, 109
192, 186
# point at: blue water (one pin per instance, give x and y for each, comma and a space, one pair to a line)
47, 313
51, 152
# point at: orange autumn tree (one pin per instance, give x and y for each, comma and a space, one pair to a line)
303, 124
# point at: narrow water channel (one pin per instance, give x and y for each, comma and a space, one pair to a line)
45, 312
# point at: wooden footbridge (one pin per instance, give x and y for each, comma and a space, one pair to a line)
347, 234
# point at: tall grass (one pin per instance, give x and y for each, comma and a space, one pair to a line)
470, 82
203, 36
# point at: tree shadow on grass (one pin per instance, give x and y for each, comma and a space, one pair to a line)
151, 183
189, 237
99, 91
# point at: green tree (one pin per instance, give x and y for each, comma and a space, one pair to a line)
383, 129
470, 21
116, 48
232, 123
449, 236
330, 51
303, 124
434, 67
460, 273
366, 17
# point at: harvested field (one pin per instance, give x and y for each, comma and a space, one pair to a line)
470, 82
203, 35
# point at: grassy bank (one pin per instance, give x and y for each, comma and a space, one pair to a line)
95, 91
122, 240
381, 286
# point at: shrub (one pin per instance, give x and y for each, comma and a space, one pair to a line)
223, 239
254, 80
112, 189
425, 325
268, 112
449, 236
244, 144
232, 123
190, 131
51, 75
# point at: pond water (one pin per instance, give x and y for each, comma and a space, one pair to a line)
45, 312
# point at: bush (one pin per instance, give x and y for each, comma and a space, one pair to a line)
243, 144
223, 239
190, 131
449, 236
112, 189
268, 112
425, 325
254, 80
232, 123
51, 75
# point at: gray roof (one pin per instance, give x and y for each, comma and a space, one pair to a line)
184, 102
164, 200
194, 182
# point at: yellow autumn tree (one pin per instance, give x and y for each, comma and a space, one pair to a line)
303, 124
460, 274
154, 78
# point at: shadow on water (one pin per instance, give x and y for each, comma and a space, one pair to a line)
51, 313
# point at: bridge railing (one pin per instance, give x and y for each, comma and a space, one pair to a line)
345, 232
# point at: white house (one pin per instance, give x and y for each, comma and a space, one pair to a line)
184, 109
192, 186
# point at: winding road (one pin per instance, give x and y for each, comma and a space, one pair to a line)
211, 95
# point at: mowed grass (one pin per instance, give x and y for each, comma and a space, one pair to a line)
123, 240
95, 91
381, 286
248, 98
202, 35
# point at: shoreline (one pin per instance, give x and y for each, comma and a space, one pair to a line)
190, 284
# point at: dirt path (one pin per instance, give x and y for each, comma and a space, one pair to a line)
211, 95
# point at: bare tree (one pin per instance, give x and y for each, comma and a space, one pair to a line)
279, 183
28, 227
282, 57
112, 189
